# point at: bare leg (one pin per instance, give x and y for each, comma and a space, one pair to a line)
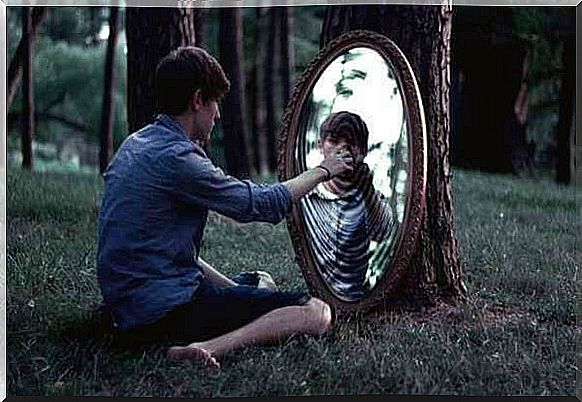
314, 317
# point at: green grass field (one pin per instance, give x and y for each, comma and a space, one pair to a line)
515, 336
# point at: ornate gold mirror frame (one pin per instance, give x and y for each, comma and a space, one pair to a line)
385, 291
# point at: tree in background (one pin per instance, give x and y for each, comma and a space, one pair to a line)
233, 118
151, 34
256, 94
15, 68
271, 67
423, 35
565, 127
200, 17
108, 117
287, 64
27, 87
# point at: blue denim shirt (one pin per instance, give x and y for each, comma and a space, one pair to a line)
158, 190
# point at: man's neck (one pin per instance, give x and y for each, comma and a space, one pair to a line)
186, 122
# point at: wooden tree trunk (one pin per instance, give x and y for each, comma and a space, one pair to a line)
14, 73
423, 34
271, 66
564, 166
200, 16
257, 99
151, 34
287, 52
233, 124
27, 88
108, 115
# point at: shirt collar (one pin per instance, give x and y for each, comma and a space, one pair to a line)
171, 123
322, 192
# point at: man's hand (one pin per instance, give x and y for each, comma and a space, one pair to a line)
340, 163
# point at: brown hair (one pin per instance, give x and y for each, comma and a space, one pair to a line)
348, 126
183, 71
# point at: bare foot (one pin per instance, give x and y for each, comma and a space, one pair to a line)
193, 353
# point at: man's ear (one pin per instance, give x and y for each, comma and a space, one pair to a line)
320, 145
196, 100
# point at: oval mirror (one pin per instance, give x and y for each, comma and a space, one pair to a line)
354, 236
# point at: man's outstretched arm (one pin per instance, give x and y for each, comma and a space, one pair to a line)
214, 275
330, 167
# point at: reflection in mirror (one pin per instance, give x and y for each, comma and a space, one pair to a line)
353, 223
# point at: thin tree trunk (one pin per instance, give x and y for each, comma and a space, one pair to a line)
423, 35
151, 34
108, 117
287, 52
271, 66
564, 164
233, 124
27, 88
14, 73
257, 100
200, 16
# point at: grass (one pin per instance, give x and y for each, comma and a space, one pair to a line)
514, 336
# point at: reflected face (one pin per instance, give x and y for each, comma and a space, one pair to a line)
351, 230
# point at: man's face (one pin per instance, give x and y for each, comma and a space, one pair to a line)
331, 145
207, 116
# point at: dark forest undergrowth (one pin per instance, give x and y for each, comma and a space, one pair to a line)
515, 335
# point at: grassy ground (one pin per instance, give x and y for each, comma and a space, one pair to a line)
516, 334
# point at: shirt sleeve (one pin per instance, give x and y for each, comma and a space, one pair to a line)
198, 182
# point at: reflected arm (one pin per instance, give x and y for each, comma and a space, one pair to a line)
381, 220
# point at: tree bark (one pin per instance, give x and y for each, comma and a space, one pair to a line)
27, 88
271, 67
14, 73
233, 123
423, 35
564, 165
287, 52
108, 115
257, 103
200, 16
151, 34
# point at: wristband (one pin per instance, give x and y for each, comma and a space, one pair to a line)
328, 173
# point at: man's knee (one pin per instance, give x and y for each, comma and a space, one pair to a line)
320, 315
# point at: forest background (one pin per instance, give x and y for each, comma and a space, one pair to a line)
520, 58
512, 97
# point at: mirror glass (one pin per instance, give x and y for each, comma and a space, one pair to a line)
353, 223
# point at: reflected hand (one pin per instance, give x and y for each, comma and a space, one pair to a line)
340, 163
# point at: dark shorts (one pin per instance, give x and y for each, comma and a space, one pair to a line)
213, 311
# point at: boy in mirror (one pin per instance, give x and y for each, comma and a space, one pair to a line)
345, 213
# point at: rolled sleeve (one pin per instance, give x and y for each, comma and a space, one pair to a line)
200, 183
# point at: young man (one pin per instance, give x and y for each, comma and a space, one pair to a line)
345, 213
159, 188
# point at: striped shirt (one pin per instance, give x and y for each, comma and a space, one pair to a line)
339, 230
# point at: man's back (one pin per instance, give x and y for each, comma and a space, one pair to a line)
147, 235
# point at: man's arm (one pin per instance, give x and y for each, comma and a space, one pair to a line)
215, 276
380, 216
328, 168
